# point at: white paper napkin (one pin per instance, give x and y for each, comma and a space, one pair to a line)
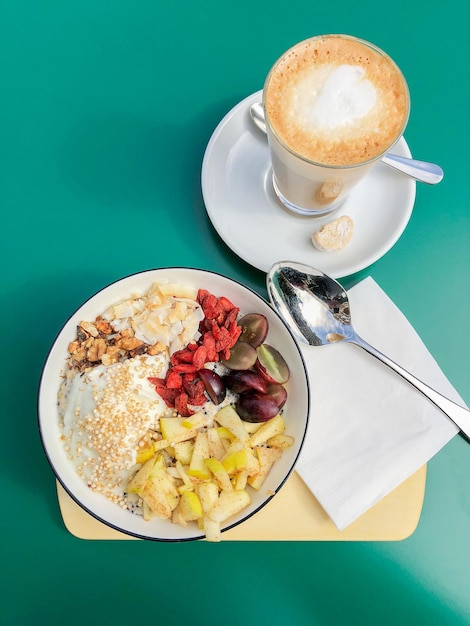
369, 429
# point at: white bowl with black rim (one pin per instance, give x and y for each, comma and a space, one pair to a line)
295, 411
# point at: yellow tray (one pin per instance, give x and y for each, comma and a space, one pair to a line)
293, 515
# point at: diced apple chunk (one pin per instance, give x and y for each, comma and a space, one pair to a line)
211, 530
240, 479
228, 417
267, 457
229, 503
144, 454
136, 484
161, 444
173, 430
224, 433
252, 462
147, 512
160, 480
272, 427
233, 462
156, 500
252, 427
208, 494
235, 446
197, 466
198, 420
188, 483
281, 441
216, 447
220, 474
184, 451
178, 518
190, 506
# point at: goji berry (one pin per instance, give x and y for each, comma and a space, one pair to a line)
225, 302
205, 326
168, 395
208, 305
174, 380
224, 340
200, 357
201, 295
181, 405
193, 387
216, 331
231, 317
209, 344
219, 314
182, 356
197, 400
184, 368
156, 381
234, 331
199, 388
189, 377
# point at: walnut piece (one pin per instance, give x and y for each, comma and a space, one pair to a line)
96, 350
129, 343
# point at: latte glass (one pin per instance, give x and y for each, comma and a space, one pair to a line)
334, 105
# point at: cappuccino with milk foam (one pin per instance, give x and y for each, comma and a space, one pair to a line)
334, 105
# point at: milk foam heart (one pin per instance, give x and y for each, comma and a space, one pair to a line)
336, 100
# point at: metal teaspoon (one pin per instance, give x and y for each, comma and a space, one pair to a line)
422, 171
316, 309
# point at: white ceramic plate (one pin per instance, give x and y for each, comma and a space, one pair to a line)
296, 409
241, 204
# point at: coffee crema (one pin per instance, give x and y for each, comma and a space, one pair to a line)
336, 100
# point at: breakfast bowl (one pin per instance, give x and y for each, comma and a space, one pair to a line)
132, 344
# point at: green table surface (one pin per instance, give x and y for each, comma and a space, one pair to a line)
105, 112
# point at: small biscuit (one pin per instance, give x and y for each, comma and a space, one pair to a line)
334, 235
330, 190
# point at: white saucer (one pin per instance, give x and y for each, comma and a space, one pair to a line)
242, 206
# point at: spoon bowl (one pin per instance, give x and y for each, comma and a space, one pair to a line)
316, 309
422, 171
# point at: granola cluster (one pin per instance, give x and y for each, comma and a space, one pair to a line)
98, 343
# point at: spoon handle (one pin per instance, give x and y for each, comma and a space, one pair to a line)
425, 172
456, 413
